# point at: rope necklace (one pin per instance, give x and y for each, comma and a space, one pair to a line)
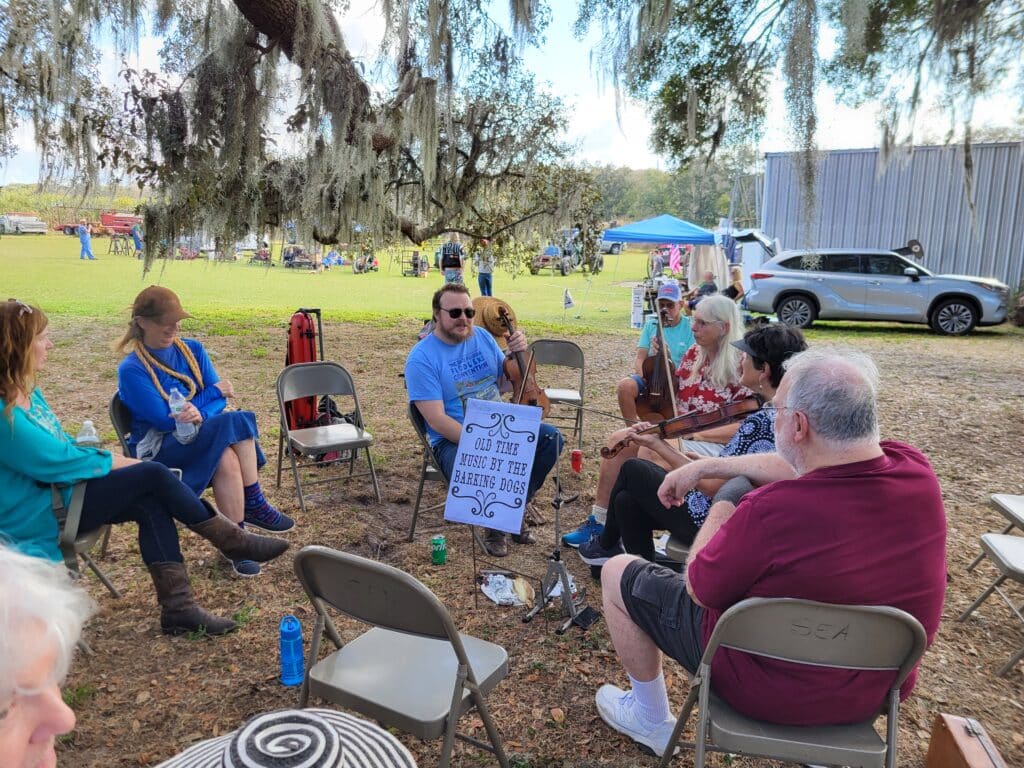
149, 362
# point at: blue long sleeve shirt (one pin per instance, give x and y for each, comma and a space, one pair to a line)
149, 409
34, 453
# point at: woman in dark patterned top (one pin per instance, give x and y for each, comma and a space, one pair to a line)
635, 512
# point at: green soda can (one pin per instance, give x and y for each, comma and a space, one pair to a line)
438, 550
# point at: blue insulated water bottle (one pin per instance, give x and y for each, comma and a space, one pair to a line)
292, 663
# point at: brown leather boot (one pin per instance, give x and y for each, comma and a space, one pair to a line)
495, 542
525, 535
237, 543
178, 611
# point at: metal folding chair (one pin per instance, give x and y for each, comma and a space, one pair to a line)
568, 355
73, 544
1007, 555
874, 638
430, 470
1012, 508
413, 670
317, 380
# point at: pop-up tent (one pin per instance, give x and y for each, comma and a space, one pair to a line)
660, 229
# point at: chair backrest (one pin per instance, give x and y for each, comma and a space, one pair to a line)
121, 418
321, 378
420, 425
803, 631
374, 593
557, 352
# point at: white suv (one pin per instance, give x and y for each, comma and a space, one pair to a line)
861, 284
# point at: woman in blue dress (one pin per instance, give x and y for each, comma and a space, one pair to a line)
37, 455
224, 452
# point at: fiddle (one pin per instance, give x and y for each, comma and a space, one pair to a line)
661, 381
689, 422
523, 375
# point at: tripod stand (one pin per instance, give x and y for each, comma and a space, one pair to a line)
557, 575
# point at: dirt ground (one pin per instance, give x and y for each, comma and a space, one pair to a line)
142, 697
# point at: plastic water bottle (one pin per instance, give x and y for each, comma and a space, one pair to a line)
184, 431
87, 435
293, 666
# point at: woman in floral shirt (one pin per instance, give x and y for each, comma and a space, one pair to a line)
709, 377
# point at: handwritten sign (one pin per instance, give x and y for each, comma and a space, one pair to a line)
493, 464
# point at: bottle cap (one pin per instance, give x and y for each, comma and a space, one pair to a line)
291, 627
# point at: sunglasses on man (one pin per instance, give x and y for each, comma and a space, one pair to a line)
456, 313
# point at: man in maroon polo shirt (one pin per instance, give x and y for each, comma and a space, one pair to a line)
839, 517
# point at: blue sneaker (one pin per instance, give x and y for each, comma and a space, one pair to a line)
269, 519
582, 534
246, 568
592, 553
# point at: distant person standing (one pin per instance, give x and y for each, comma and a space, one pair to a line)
484, 261
137, 238
453, 260
85, 238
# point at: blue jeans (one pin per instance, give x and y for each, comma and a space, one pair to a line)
86, 250
486, 283
549, 445
147, 494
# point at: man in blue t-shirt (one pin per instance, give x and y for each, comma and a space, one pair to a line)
454, 363
678, 337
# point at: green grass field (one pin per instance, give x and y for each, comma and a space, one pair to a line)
45, 270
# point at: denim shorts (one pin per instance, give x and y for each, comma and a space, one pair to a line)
641, 384
657, 602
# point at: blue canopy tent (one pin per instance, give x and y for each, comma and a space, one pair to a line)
660, 229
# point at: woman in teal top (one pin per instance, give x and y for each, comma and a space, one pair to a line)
36, 453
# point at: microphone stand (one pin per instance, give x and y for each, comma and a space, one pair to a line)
557, 575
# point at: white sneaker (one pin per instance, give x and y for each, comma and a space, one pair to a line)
618, 708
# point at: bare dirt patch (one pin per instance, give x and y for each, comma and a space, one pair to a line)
142, 697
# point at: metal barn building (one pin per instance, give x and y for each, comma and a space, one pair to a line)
919, 194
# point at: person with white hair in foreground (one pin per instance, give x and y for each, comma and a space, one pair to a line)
840, 517
41, 617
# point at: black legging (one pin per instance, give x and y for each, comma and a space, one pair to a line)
149, 494
635, 511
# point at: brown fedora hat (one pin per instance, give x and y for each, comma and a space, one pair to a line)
487, 316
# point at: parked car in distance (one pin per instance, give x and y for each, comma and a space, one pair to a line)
556, 259
614, 248
22, 224
861, 284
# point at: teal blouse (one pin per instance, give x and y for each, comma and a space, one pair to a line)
34, 453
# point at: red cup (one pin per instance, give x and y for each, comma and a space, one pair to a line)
577, 460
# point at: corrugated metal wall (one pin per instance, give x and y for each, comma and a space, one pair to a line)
919, 195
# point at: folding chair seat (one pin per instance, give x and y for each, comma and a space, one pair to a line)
875, 638
73, 544
676, 549
430, 470
1012, 508
317, 380
413, 670
569, 355
1007, 555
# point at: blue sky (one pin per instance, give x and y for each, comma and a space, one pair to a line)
563, 63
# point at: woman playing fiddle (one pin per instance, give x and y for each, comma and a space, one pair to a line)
709, 378
635, 511
224, 452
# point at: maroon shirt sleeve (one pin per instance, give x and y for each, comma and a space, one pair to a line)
724, 571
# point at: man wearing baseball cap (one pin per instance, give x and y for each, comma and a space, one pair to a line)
679, 338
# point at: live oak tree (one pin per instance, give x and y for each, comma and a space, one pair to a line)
451, 128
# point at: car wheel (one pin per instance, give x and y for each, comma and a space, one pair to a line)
534, 271
69, 230
566, 267
954, 317
616, 249
798, 311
